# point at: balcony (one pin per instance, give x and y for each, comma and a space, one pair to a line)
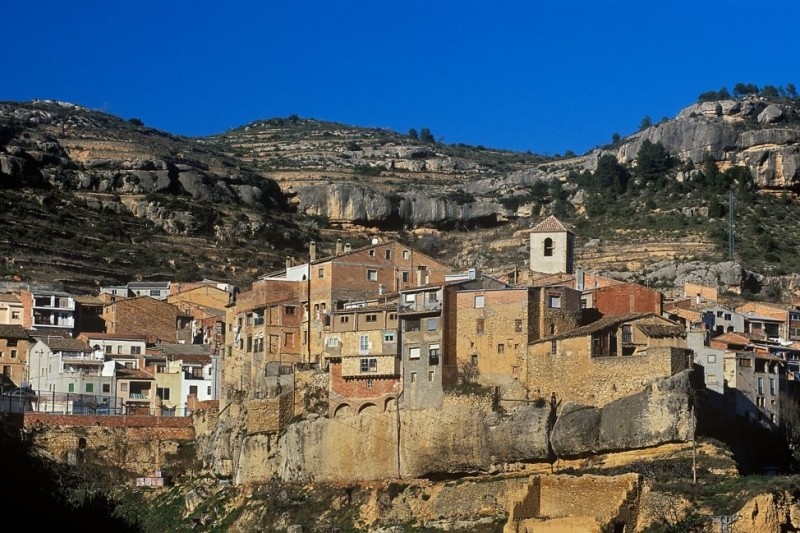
407, 308
67, 304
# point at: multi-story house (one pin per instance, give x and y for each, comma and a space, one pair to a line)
361, 349
718, 320
206, 301
89, 314
158, 320
61, 368
48, 309
184, 374
711, 359
494, 326
135, 390
14, 347
158, 290
767, 319
626, 298
613, 357
11, 309
756, 386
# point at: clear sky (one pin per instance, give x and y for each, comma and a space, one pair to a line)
520, 75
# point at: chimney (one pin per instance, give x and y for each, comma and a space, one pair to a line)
288, 263
347, 247
580, 279
472, 273
338, 246
312, 251
420, 276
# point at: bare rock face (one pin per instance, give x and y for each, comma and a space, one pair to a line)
656, 415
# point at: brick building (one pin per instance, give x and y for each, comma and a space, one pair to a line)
627, 298
158, 320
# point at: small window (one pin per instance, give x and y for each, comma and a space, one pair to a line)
344, 319
712, 359
553, 347
474, 359
406, 254
288, 340
518, 325
413, 377
333, 342
155, 292
392, 316
369, 383
119, 349
90, 387
719, 314
369, 364
433, 297
14, 315
479, 326
372, 275
108, 349
363, 343
371, 318
433, 350
479, 301
136, 350
430, 375
432, 322
413, 352
163, 392
70, 387
387, 254
290, 309
554, 301
404, 276
548, 247
501, 348
388, 336
106, 388
711, 379
321, 273
410, 298
727, 316
13, 354
372, 253
745, 363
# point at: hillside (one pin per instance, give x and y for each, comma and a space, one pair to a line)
92, 199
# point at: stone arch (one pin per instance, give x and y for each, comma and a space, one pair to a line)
368, 408
342, 410
390, 404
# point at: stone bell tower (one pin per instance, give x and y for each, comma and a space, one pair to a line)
552, 247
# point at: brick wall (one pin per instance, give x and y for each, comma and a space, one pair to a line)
627, 298
357, 387
143, 316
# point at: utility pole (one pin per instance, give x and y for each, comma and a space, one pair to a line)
731, 226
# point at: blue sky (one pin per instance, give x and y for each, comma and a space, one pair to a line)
520, 75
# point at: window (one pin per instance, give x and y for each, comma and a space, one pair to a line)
719, 314
321, 273
372, 275
554, 301
410, 298
155, 292
163, 392
369, 364
433, 297
363, 343
474, 359
208, 390
119, 349
745, 363
406, 254
760, 401
518, 325
413, 377
772, 386
14, 315
583, 303
479, 301
711, 379
344, 319
290, 309
727, 316
193, 389
404, 276
479, 326
760, 385
372, 318
369, 383
413, 352
412, 325
136, 350
548, 247
553, 347
388, 336
13, 354
372, 253
627, 334
712, 359
333, 342
430, 375
249, 343
433, 353
288, 340
392, 316
501, 348
106, 388
70, 387
432, 324
108, 350
90, 387
387, 254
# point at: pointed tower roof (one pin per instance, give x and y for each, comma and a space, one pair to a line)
551, 225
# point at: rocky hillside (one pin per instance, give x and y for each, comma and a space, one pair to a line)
92, 198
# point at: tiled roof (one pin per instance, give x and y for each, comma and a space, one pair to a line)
612, 321
67, 345
45, 333
661, 330
113, 336
88, 299
13, 331
132, 373
550, 225
9, 297
180, 349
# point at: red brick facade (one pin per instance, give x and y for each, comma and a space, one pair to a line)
148, 317
626, 299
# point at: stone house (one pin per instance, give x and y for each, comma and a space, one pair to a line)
14, 347
606, 360
494, 326
756, 386
361, 350
157, 320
